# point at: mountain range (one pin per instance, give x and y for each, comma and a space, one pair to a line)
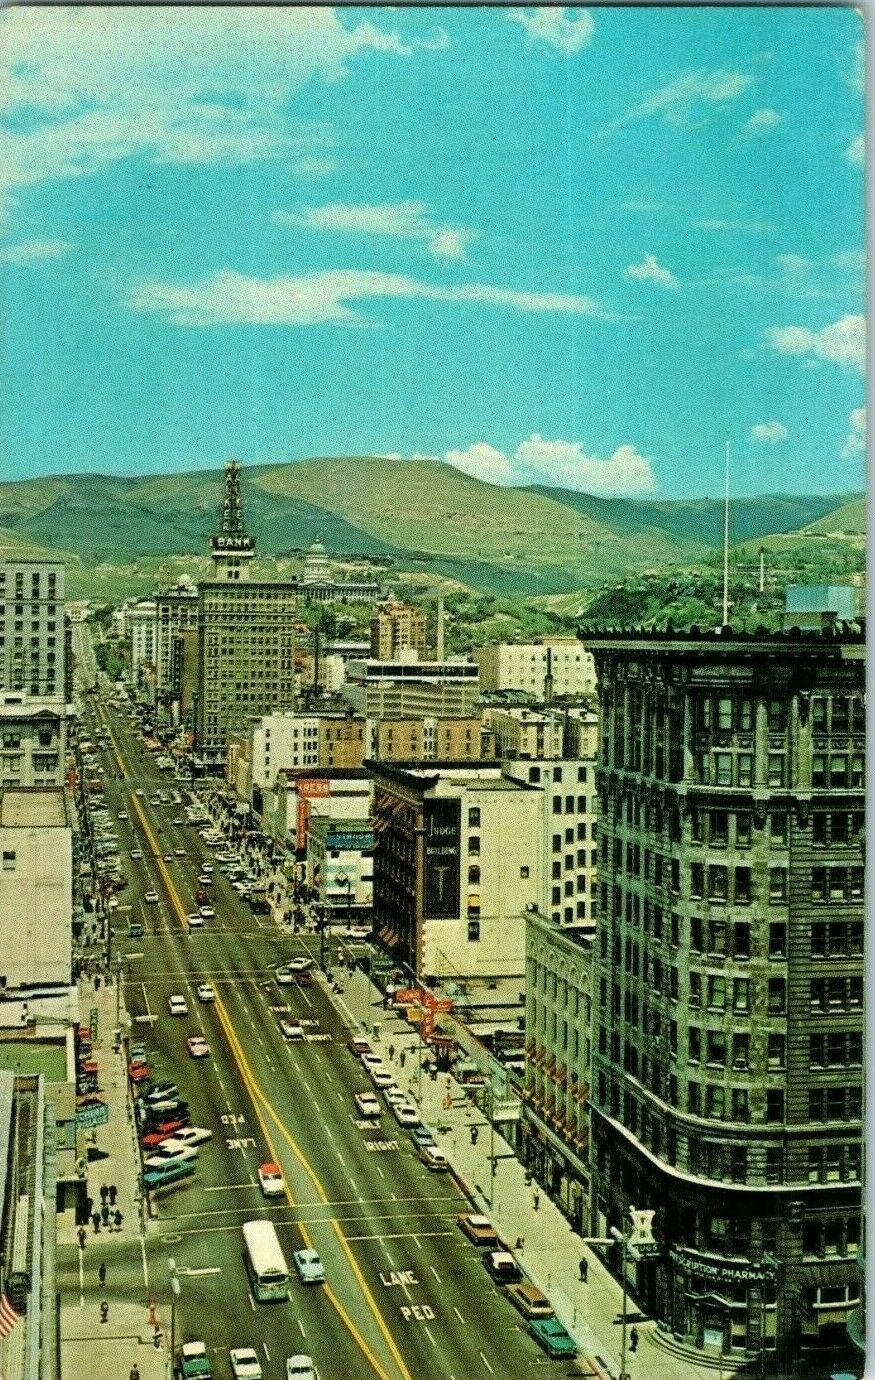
423, 515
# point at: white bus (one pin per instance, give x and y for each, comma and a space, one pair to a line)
268, 1271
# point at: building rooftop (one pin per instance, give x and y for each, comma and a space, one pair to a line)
23, 807
761, 638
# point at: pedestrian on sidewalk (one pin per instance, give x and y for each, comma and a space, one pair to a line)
104, 1193
584, 1269
95, 1221
101, 1274
633, 1339
89, 1208
113, 1194
520, 1243
117, 1220
104, 1311
104, 1214
81, 1235
536, 1198
135, 1372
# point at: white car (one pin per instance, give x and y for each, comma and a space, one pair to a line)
245, 1364
136, 852
206, 991
301, 1368
195, 921
177, 1005
292, 1030
139, 792
380, 1076
122, 814
190, 1135
206, 912
368, 1106
370, 1059
151, 897
406, 1114
394, 1097
169, 1150
270, 1176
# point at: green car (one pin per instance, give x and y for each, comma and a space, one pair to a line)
552, 1336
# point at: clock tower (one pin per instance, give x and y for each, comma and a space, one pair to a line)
232, 547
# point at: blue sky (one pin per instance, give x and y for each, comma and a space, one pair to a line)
547, 246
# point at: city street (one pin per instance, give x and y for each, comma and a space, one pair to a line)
406, 1295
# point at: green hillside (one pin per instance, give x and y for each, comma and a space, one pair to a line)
700, 520
431, 520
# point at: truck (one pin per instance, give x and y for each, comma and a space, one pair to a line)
193, 1363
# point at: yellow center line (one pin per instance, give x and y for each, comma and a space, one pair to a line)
258, 1096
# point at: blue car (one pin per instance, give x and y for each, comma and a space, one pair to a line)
552, 1336
422, 1136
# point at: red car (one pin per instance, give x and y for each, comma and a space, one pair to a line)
139, 1072
160, 1133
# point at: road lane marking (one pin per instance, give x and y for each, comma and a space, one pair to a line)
259, 1097
266, 1352
486, 1363
430, 1337
458, 1315
435, 1273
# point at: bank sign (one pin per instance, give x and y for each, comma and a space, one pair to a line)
443, 846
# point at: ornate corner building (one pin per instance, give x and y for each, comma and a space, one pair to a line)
728, 980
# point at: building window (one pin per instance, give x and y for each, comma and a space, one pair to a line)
778, 939
775, 1104
777, 996
745, 769
8, 861
473, 931
776, 1055
777, 884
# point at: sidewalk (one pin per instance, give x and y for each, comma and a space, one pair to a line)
88, 1347
552, 1250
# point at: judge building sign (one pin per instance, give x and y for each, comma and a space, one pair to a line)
442, 866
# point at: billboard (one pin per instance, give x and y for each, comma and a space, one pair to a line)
307, 789
442, 870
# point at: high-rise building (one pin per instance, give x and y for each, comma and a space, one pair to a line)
410, 689
176, 610
457, 859
396, 628
552, 666
246, 635
34, 673
728, 980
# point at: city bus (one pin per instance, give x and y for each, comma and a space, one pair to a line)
265, 1262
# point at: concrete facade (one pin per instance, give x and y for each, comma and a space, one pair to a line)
555, 1112
412, 689
396, 628
568, 838
36, 888
34, 673
524, 666
457, 860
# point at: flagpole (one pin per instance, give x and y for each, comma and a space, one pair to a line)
726, 540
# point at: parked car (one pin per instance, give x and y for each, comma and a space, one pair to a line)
502, 1267
433, 1158
423, 1135
159, 1091
177, 1005
139, 1071
406, 1115
358, 1045
309, 1267
553, 1337
478, 1229
529, 1300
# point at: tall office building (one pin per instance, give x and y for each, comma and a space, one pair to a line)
34, 673
395, 628
728, 980
176, 611
246, 635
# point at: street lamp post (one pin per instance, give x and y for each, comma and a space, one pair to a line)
638, 1243
624, 1246
175, 1290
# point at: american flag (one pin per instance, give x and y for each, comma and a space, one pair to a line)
8, 1317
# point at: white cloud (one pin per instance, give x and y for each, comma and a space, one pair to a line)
33, 251
793, 265
231, 298
410, 220
772, 432
763, 120
178, 86
567, 30
753, 227
483, 462
856, 151
850, 261
677, 100
856, 440
563, 464
843, 342
649, 271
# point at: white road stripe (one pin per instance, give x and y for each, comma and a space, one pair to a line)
432, 1340
458, 1315
486, 1364
435, 1273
